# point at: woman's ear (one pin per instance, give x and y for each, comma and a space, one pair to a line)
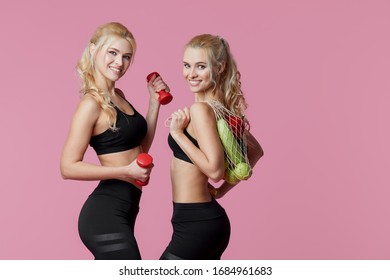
221, 67
92, 48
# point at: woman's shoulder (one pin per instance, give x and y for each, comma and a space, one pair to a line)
201, 107
89, 103
201, 111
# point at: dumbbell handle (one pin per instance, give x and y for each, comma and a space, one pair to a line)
164, 97
143, 160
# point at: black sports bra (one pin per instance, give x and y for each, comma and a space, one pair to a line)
131, 129
177, 151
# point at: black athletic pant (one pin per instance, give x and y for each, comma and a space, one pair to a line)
201, 231
106, 221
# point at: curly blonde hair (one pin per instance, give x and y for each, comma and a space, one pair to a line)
103, 35
227, 85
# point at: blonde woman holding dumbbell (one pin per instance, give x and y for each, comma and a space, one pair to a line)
201, 228
106, 120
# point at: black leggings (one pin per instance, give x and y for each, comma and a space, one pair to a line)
201, 231
106, 221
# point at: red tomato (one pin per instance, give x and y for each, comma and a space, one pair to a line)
237, 125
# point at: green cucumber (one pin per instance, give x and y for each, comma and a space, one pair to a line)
229, 143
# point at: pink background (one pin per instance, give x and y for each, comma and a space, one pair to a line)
315, 74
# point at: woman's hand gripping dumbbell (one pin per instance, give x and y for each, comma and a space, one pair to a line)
143, 160
164, 97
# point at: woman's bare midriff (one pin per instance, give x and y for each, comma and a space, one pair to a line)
189, 184
121, 159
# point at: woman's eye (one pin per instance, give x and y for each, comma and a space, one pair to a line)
127, 57
186, 65
201, 67
112, 52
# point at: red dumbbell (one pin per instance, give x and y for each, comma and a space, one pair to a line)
143, 160
165, 97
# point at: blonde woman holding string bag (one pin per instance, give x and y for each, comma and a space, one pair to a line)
210, 141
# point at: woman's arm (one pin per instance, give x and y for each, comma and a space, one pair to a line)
255, 152
209, 157
154, 85
72, 165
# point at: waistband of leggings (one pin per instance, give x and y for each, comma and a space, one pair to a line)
120, 189
195, 205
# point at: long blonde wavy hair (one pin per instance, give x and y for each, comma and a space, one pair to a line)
103, 35
227, 85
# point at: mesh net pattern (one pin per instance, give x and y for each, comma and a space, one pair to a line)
231, 128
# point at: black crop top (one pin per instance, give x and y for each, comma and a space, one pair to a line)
131, 129
177, 151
